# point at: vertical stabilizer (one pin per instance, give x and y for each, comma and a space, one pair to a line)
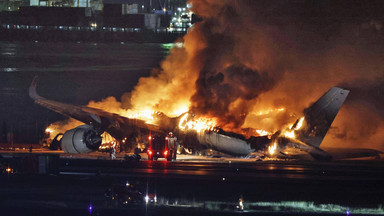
320, 115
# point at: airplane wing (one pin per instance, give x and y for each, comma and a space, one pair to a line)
91, 116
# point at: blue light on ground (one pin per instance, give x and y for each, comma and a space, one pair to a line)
90, 209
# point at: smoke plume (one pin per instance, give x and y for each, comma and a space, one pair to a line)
247, 57
246, 60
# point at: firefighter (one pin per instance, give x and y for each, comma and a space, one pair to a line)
113, 153
172, 145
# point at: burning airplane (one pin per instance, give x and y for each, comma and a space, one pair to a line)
242, 60
306, 134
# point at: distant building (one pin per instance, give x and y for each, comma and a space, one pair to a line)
94, 4
139, 14
109, 15
148, 6
50, 16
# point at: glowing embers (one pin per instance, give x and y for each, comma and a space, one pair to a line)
291, 132
189, 122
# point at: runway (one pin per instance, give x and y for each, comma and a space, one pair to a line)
198, 185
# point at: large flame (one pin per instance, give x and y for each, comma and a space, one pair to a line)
188, 122
290, 133
263, 132
272, 148
239, 67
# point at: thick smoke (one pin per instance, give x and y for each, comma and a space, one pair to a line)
240, 63
292, 52
224, 66
247, 57
226, 95
363, 120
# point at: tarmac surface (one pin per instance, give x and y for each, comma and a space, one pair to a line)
94, 184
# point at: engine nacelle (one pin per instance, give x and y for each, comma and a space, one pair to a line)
83, 139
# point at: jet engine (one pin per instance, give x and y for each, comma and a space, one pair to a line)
82, 139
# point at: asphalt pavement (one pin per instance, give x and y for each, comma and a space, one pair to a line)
192, 185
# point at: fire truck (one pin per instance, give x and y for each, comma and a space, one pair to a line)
158, 148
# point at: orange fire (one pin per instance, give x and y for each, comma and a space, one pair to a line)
290, 133
272, 148
189, 122
263, 132
269, 111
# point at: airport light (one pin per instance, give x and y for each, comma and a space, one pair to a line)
9, 170
90, 208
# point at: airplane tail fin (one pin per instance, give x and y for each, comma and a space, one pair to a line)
320, 115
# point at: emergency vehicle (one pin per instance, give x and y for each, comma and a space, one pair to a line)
158, 148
